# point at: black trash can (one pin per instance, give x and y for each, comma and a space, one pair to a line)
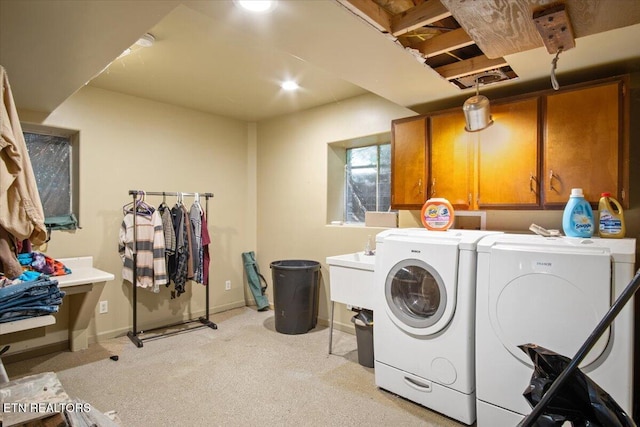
296, 288
364, 337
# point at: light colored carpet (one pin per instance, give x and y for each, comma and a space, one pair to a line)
242, 374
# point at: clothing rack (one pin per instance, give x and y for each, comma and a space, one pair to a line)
134, 334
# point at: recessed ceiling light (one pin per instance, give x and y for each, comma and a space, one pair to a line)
146, 40
289, 85
257, 5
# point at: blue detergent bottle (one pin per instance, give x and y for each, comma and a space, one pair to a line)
577, 219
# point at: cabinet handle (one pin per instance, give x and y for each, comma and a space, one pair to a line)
433, 187
420, 186
532, 180
551, 176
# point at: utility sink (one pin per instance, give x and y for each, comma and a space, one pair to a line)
351, 279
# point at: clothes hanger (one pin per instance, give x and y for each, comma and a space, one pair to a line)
163, 205
180, 198
196, 202
129, 207
142, 208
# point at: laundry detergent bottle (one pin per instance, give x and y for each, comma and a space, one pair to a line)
610, 217
577, 219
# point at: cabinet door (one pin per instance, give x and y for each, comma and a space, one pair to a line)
582, 140
451, 159
408, 163
508, 157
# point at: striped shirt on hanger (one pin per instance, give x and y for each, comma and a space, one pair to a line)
151, 269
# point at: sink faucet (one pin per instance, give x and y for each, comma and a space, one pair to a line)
368, 250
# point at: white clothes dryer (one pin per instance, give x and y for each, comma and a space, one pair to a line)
424, 314
549, 291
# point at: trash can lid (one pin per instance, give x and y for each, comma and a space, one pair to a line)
295, 264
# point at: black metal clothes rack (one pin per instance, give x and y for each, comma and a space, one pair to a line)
134, 334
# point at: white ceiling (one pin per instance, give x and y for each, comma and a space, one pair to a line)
211, 56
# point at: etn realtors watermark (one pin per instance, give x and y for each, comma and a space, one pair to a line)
45, 407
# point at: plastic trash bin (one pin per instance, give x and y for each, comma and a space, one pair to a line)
296, 287
364, 337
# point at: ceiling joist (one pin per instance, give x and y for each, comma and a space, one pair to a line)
445, 42
473, 65
424, 14
371, 12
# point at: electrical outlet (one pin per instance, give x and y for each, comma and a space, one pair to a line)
227, 285
104, 307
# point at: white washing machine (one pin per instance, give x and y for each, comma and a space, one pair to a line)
424, 316
551, 292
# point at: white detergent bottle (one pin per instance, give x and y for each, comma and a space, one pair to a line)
577, 219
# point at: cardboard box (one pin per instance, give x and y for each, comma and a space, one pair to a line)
381, 219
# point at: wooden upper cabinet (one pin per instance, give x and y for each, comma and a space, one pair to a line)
408, 162
540, 147
452, 151
508, 157
584, 145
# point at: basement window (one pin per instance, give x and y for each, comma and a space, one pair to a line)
359, 178
368, 177
54, 158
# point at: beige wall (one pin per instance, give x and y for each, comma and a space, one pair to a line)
128, 143
292, 185
270, 185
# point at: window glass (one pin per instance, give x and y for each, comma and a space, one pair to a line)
368, 174
50, 158
54, 156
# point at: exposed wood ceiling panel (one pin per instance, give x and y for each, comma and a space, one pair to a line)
473, 65
447, 42
554, 27
372, 12
418, 16
504, 27
427, 30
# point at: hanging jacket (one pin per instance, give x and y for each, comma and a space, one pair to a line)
178, 262
195, 214
21, 212
206, 241
169, 234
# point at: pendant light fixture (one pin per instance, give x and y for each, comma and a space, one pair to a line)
477, 111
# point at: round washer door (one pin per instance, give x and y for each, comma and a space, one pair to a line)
416, 297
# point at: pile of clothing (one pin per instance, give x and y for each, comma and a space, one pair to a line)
37, 261
32, 294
